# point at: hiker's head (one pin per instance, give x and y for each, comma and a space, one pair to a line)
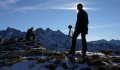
70, 26
31, 28
79, 6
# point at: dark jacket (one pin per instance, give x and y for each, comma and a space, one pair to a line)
82, 22
29, 32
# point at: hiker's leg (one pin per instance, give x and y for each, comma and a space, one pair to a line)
75, 35
84, 44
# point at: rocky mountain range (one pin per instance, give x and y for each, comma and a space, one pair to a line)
56, 40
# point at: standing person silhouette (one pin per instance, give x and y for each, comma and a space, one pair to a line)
30, 34
81, 27
70, 30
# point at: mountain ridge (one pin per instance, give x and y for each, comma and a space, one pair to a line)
56, 40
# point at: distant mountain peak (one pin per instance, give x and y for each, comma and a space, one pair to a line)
48, 29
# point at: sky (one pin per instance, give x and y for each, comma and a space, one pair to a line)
104, 16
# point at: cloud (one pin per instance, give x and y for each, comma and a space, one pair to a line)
49, 5
6, 3
52, 4
5, 6
25, 9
